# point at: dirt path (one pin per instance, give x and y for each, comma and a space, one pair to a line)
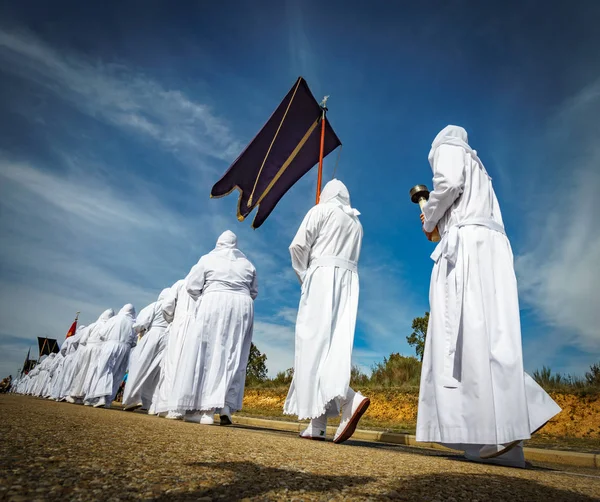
57, 451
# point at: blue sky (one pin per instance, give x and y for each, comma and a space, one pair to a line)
117, 118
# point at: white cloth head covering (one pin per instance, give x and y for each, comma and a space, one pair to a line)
456, 136
227, 246
335, 192
128, 309
106, 315
163, 294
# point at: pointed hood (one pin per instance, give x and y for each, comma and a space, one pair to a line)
128, 309
227, 246
456, 136
106, 315
335, 192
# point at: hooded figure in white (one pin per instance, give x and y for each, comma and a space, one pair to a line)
325, 255
33, 375
178, 308
69, 346
145, 359
474, 393
81, 366
51, 373
43, 375
118, 338
215, 354
56, 372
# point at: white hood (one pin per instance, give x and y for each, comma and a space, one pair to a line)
227, 246
335, 192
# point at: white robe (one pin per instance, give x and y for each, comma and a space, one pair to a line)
81, 368
473, 387
52, 374
146, 357
31, 379
56, 379
179, 308
64, 371
43, 375
118, 337
215, 355
325, 253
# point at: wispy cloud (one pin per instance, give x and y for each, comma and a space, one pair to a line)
276, 339
387, 308
558, 268
122, 97
302, 60
83, 230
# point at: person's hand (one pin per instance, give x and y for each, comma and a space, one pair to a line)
429, 235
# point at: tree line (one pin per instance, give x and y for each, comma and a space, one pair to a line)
404, 372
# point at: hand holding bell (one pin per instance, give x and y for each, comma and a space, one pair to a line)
419, 194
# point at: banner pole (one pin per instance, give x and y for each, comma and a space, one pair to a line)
322, 148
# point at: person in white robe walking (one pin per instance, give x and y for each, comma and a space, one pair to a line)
178, 308
145, 359
81, 367
215, 355
325, 253
118, 338
474, 393
43, 375
54, 372
32, 376
69, 345
67, 352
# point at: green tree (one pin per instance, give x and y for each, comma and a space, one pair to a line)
357, 377
256, 372
283, 378
417, 337
396, 371
592, 377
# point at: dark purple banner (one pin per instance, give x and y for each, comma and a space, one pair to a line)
284, 150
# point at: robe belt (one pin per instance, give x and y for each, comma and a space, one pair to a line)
448, 248
334, 261
219, 288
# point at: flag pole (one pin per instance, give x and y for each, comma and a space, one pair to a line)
322, 149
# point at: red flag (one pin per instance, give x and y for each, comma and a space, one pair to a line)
73, 327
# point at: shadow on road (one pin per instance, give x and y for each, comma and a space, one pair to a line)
252, 480
477, 487
413, 450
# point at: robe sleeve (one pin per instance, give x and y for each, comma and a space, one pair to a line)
132, 338
448, 183
144, 318
168, 304
254, 286
303, 242
194, 282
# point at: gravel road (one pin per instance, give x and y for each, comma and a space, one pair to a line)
58, 451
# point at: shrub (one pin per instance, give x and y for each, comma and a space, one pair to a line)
396, 371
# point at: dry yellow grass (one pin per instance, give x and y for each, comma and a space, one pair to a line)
397, 410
